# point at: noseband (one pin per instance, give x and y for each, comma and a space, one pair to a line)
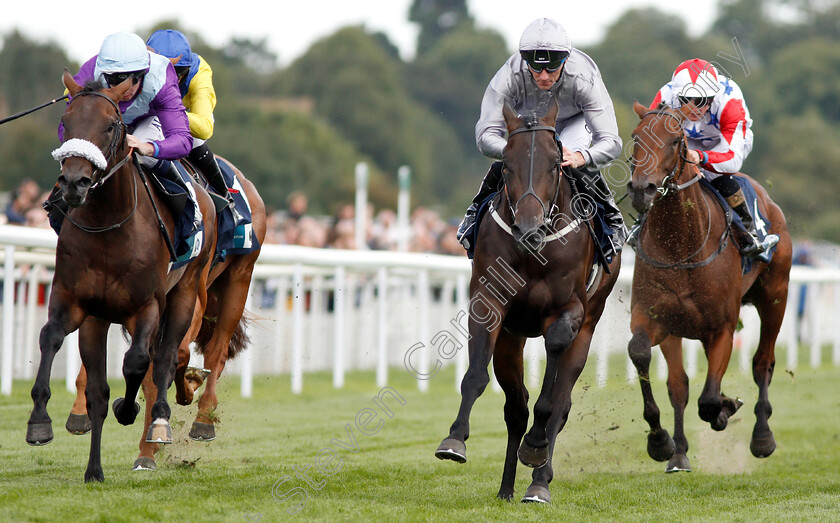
547, 211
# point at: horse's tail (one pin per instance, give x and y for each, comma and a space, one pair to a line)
239, 340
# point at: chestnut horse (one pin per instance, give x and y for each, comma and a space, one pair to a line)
688, 283
218, 329
112, 266
531, 265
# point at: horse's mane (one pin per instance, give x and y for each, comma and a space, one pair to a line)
92, 86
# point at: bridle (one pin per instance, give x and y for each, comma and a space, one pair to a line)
548, 210
670, 185
110, 154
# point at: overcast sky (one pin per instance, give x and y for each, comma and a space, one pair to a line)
291, 27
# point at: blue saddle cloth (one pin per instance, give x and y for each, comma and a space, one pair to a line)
235, 230
762, 224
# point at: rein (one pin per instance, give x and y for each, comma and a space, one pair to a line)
669, 184
547, 211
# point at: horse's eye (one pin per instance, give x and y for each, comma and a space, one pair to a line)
676, 141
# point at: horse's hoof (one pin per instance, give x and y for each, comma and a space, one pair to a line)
94, 475
453, 449
762, 446
537, 494
678, 463
506, 495
720, 422
159, 432
38, 434
128, 419
660, 445
196, 374
534, 457
202, 431
77, 424
144, 463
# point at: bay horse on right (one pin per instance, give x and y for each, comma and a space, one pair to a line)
688, 282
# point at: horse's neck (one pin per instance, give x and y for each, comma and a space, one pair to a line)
117, 195
680, 222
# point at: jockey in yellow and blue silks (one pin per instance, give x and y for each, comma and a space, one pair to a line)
195, 80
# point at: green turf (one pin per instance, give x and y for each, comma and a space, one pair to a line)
602, 472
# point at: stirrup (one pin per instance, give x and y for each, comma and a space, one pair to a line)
633, 235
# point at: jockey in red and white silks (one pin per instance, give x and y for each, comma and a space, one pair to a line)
722, 136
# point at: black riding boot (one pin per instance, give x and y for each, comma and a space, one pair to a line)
596, 187
748, 242
490, 184
203, 158
56, 208
166, 169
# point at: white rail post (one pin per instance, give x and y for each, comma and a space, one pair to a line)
836, 348
461, 305
8, 320
338, 313
403, 208
298, 296
246, 383
382, 328
814, 310
361, 205
29, 326
792, 318
73, 361
423, 317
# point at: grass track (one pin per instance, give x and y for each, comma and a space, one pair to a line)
602, 472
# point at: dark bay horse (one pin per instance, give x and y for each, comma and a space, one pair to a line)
688, 283
112, 266
218, 330
531, 266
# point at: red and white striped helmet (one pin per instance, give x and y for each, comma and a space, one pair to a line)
695, 78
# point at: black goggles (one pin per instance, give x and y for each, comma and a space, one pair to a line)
182, 70
114, 79
698, 101
542, 59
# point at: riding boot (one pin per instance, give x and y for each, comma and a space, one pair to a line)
203, 158
747, 239
596, 186
56, 207
166, 169
490, 184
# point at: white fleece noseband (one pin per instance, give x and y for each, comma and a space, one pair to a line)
83, 148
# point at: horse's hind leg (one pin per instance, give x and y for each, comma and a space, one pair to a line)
509, 371
93, 337
60, 323
660, 446
771, 313
678, 394
183, 390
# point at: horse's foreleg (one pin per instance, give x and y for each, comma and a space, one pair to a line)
136, 362
660, 446
678, 393
570, 366
93, 338
559, 335
711, 406
146, 459
472, 386
61, 322
509, 371
78, 421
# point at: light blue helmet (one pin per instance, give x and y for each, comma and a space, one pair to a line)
122, 53
171, 44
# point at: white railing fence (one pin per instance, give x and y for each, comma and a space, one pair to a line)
321, 309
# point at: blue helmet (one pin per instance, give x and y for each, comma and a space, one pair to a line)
171, 44
123, 52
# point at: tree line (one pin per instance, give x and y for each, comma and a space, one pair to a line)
350, 97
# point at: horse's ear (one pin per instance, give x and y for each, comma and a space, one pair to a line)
511, 118
116, 92
550, 117
683, 112
175, 60
639, 109
70, 83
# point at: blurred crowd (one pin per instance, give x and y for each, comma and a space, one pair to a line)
427, 231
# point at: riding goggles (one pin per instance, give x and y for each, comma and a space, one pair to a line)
543, 59
114, 79
698, 101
